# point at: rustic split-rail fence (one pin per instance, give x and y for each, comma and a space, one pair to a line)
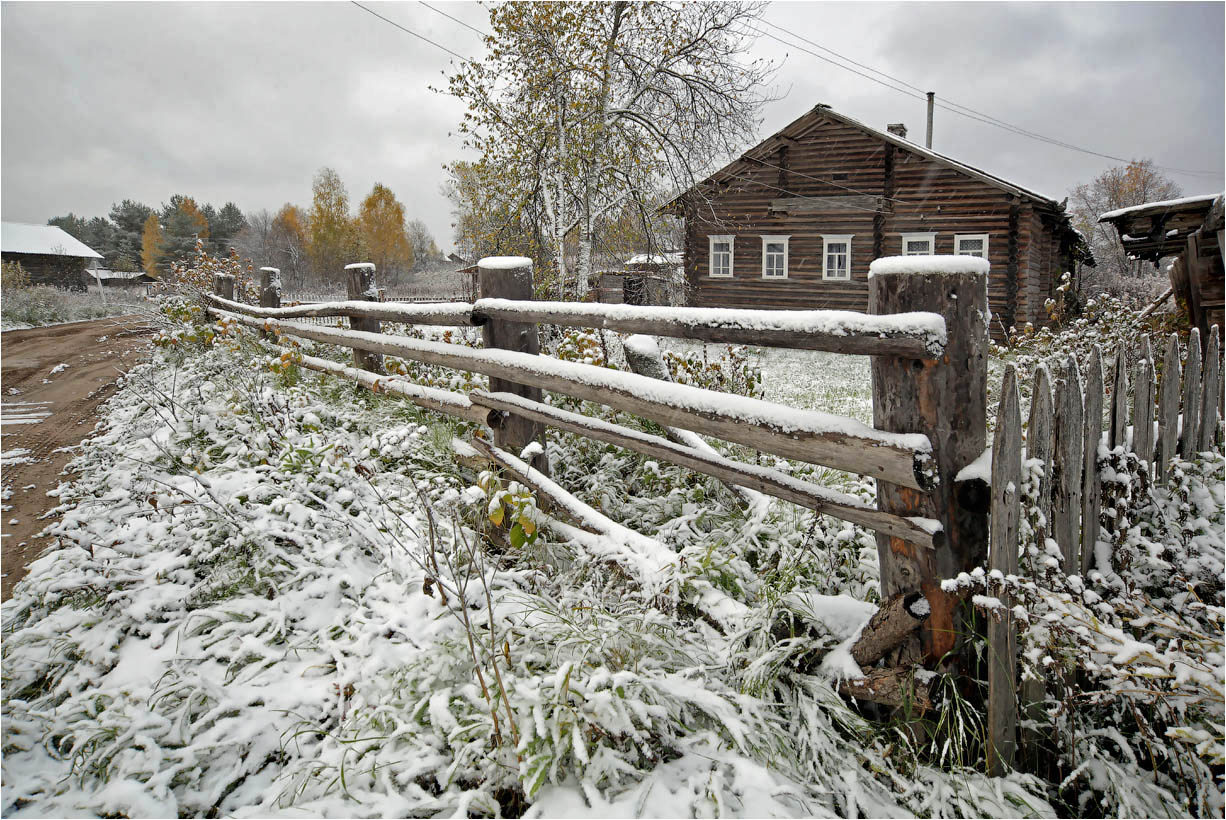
937, 510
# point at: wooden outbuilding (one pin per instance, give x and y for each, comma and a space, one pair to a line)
797, 219
50, 255
1190, 230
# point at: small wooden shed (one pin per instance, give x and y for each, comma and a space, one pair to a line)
1190, 230
50, 255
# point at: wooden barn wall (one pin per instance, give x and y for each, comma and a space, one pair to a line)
930, 198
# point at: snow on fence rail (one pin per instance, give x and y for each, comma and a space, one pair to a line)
926, 332
1069, 442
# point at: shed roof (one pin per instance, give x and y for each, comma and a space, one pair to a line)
1153, 230
19, 237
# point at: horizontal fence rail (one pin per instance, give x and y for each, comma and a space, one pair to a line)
806, 435
915, 335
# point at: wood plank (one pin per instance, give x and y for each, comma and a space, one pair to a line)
1212, 391
1091, 487
825, 204
808, 435
915, 334
440, 401
1040, 443
1068, 463
1118, 433
763, 479
1143, 407
1003, 557
1168, 406
1189, 431
360, 284
447, 314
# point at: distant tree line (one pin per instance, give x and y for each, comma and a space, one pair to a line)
311, 246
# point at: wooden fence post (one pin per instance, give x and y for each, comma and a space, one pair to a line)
360, 284
1189, 432
1143, 407
510, 277
270, 287
1168, 407
1066, 468
945, 399
1002, 632
1212, 392
223, 286
1091, 487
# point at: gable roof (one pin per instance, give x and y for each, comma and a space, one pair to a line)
19, 237
809, 119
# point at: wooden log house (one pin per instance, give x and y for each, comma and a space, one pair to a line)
798, 218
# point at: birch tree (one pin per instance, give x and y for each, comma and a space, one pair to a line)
579, 108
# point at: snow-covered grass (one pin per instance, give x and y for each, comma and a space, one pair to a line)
40, 306
278, 594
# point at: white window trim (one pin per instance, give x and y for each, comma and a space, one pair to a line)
960, 237
930, 238
828, 238
785, 240
711, 240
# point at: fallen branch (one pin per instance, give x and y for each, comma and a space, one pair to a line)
893, 623
898, 688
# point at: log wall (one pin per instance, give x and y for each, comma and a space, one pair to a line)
893, 191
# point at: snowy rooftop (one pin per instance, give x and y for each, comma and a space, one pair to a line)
1164, 206
672, 258
18, 237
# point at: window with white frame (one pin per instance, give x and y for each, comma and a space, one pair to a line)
775, 257
918, 244
721, 256
836, 253
971, 244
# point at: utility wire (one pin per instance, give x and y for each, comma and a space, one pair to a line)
454, 19
948, 105
410, 31
802, 196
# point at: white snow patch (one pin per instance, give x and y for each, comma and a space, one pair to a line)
928, 264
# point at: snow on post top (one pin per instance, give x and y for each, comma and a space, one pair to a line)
928, 264
642, 345
504, 262
360, 265
272, 270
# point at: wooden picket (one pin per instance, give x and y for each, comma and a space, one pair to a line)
1168, 406
1118, 432
1143, 406
1212, 394
1066, 470
1002, 556
1189, 432
1091, 498
1039, 443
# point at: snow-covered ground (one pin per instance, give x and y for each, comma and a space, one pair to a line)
278, 594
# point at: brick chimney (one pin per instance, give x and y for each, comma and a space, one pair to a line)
897, 129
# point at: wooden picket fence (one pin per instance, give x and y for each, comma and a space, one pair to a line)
927, 336
1068, 436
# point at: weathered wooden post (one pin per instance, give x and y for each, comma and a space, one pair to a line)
223, 286
510, 277
945, 399
270, 287
1002, 631
360, 284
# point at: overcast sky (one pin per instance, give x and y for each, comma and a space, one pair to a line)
244, 102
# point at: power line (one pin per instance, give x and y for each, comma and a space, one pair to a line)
410, 31
454, 19
950, 105
796, 195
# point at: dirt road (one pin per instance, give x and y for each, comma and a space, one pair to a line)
53, 380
